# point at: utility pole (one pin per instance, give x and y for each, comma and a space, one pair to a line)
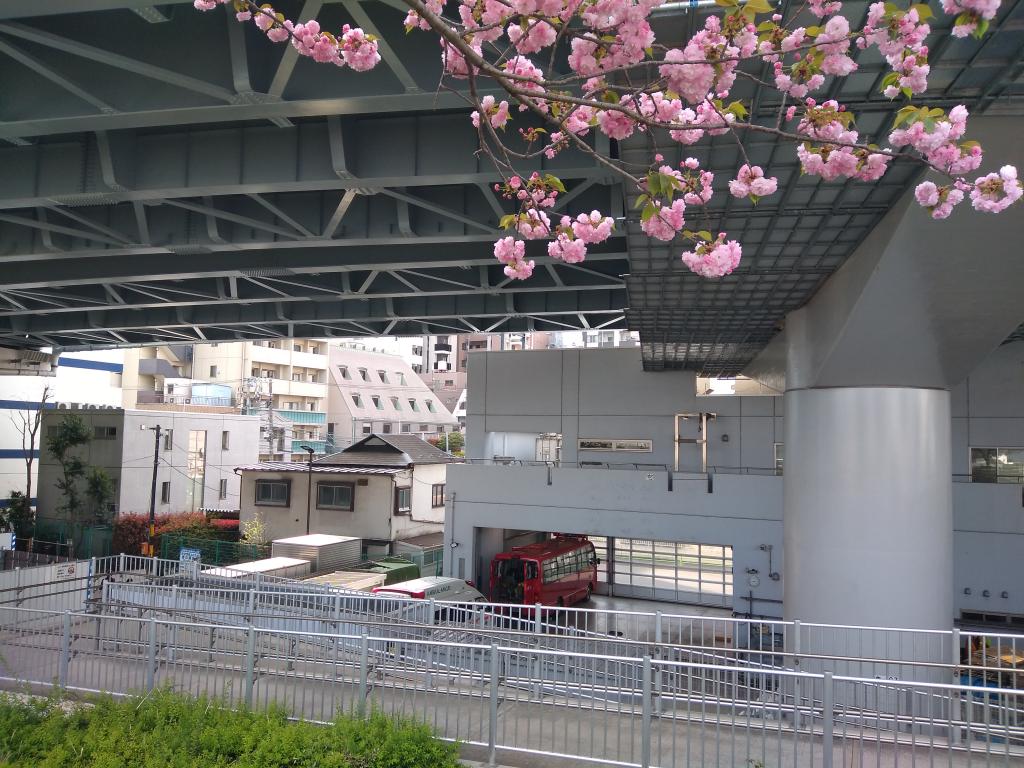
151, 531
309, 485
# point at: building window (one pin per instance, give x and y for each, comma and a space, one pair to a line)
213, 371
425, 428
396, 403
357, 401
413, 404
273, 493
363, 374
335, 496
256, 372
780, 454
383, 377
296, 347
291, 405
437, 495
367, 428
386, 427
343, 370
630, 446
223, 489
104, 433
997, 465
430, 406
406, 428
403, 501
225, 440
169, 440
330, 428
296, 377
377, 402
165, 492
449, 382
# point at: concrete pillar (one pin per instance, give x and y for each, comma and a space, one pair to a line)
868, 520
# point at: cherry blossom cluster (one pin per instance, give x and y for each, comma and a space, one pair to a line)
831, 154
612, 88
351, 47
972, 17
751, 182
713, 258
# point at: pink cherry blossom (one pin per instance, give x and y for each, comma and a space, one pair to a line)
593, 228
996, 192
752, 181
666, 223
565, 248
714, 259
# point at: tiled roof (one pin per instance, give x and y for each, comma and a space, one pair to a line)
298, 466
387, 451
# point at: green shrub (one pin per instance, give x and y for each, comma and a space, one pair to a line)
165, 730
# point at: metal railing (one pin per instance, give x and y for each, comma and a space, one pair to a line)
509, 699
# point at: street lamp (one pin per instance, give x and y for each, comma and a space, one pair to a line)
151, 531
309, 485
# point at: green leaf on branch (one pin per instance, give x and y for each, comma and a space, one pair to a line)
737, 108
641, 200
704, 235
555, 182
508, 221
923, 11
649, 210
759, 6
982, 28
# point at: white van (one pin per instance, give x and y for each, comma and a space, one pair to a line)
433, 588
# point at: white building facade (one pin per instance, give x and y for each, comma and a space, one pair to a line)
657, 474
197, 454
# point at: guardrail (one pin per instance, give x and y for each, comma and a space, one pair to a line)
508, 700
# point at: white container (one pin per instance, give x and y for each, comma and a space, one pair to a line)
285, 567
325, 553
360, 580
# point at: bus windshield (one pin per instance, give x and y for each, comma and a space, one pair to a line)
509, 576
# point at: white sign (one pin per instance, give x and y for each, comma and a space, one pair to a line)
67, 570
6, 539
188, 561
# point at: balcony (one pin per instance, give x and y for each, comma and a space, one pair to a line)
302, 417
442, 346
157, 366
318, 446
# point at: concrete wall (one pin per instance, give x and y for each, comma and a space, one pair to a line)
128, 458
744, 511
604, 393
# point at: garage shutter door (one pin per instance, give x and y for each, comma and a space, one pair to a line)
680, 572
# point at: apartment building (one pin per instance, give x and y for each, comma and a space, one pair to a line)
284, 381
197, 453
377, 393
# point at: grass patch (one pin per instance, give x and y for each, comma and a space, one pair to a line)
167, 730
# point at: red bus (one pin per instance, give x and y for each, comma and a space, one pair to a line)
559, 571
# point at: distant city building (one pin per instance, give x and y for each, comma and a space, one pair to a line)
81, 378
373, 392
197, 456
284, 381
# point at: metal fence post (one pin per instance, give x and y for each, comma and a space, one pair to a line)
364, 672
797, 681
174, 627
645, 721
536, 618
430, 613
250, 664
492, 725
954, 696
827, 720
65, 651
151, 656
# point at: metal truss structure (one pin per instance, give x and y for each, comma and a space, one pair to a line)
171, 176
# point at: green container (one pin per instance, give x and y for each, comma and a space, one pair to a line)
395, 569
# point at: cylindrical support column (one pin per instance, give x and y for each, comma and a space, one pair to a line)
868, 524
868, 513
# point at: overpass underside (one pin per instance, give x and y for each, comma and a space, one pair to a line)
171, 176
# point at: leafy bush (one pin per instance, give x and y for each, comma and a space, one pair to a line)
165, 730
130, 530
